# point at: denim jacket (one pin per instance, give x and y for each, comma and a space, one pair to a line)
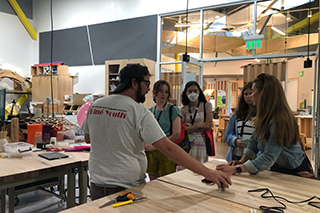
231, 135
289, 157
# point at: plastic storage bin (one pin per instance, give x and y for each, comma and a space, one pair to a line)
18, 149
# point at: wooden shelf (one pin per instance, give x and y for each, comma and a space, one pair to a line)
57, 70
17, 92
62, 85
113, 67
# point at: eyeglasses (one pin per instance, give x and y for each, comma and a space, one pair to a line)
147, 83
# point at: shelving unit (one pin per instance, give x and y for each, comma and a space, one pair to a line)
113, 77
41, 85
57, 69
17, 92
113, 67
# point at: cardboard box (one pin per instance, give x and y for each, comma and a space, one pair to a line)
45, 108
78, 99
35, 105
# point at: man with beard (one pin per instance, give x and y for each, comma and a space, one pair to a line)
117, 127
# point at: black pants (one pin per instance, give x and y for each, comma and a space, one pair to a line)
236, 157
97, 192
305, 166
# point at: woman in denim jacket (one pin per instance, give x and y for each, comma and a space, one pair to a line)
239, 129
276, 134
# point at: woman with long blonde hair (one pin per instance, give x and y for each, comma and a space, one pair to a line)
276, 134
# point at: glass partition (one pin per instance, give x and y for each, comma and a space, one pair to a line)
174, 73
175, 30
285, 26
224, 29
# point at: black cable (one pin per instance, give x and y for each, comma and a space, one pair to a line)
187, 13
51, 72
280, 209
309, 26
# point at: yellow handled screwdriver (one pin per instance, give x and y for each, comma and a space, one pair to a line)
127, 202
123, 197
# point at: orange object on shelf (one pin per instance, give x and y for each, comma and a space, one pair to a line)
32, 129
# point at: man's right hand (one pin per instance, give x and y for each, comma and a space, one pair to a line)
218, 177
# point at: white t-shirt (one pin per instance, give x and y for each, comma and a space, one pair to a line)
118, 127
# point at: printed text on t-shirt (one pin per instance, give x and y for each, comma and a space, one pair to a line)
110, 113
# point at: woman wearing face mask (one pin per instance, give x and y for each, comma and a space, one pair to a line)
276, 134
158, 164
194, 104
239, 128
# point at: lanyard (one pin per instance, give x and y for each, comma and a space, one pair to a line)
195, 113
154, 111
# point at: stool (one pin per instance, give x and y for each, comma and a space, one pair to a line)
303, 141
214, 128
220, 134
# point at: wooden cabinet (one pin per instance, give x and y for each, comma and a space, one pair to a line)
113, 67
305, 125
41, 88
56, 69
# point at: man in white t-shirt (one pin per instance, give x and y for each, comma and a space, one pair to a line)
117, 127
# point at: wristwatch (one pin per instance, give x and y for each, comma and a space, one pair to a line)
239, 170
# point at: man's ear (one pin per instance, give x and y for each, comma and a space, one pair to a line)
134, 83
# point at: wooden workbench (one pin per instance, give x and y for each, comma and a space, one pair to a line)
184, 192
291, 187
164, 197
19, 171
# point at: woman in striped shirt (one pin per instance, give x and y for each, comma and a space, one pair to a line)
239, 129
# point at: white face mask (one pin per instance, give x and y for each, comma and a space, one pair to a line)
193, 96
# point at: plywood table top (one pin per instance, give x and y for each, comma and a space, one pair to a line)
13, 169
164, 197
291, 187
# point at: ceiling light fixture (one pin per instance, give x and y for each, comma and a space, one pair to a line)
278, 31
257, 60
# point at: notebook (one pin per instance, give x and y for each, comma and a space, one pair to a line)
53, 155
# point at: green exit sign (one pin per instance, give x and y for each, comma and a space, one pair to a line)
255, 44
301, 73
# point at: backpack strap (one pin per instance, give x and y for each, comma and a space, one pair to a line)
170, 117
204, 111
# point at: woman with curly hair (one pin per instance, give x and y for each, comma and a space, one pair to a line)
239, 128
193, 112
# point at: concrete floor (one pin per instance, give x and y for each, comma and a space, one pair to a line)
41, 201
